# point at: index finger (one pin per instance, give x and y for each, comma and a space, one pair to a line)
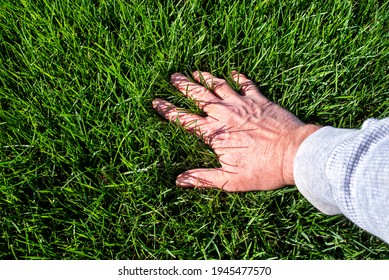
193, 123
196, 92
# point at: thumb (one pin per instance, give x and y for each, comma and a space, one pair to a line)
204, 178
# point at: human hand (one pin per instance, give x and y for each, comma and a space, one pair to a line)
255, 140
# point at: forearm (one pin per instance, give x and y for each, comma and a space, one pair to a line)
347, 171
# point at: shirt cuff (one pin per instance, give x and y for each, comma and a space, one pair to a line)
310, 163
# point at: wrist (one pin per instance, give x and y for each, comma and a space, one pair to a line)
294, 141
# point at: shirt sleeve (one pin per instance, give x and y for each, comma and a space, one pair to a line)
346, 171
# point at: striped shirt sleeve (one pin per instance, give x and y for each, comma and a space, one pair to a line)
346, 171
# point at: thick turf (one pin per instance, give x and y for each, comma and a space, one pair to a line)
87, 168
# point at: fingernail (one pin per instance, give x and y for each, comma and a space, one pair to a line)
235, 74
196, 73
174, 76
155, 103
183, 180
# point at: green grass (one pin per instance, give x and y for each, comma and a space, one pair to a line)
87, 168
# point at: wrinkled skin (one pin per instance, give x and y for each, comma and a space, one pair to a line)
255, 139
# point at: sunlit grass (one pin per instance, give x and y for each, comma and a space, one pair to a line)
87, 168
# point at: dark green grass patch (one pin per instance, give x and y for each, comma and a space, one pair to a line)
87, 168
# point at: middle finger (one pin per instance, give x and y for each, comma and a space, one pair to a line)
219, 87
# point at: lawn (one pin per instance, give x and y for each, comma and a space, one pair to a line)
87, 168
